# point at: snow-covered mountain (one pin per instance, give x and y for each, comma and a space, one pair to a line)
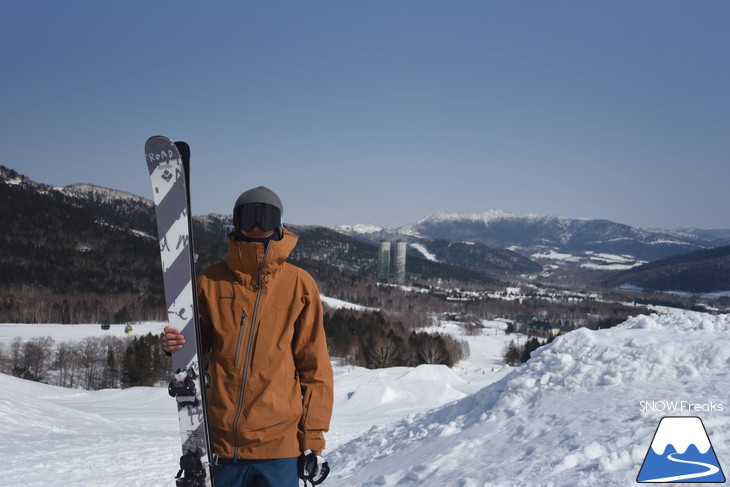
485, 245
84, 191
533, 235
581, 412
101, 194
82, 195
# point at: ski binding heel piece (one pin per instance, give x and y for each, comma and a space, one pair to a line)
191, 470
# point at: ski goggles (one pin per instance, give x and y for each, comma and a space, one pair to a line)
266, 217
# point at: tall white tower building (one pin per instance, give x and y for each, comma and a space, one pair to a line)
400, 261
384, 262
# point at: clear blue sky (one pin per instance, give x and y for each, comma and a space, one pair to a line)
383, 111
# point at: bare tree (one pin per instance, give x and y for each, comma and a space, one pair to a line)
91, 359
67, 363
37, 356
16, 352
456, 348
5, 361
382, 352
432, 352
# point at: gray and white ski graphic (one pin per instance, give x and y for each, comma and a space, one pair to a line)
167, 174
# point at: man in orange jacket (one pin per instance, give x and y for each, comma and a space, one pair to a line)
271, 388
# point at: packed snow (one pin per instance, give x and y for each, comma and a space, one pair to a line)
581, 412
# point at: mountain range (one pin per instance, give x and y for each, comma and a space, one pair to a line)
682, 260
83, 238
533, 234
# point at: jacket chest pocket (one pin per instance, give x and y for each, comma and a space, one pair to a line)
274, 335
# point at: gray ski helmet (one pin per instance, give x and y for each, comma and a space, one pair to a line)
262, 194
258, 206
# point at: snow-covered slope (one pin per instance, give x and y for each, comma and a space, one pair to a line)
64, 437
582, 412
572, 416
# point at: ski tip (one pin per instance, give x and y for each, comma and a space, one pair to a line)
157, 137
182, 147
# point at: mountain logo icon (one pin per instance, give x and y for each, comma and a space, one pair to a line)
681, 452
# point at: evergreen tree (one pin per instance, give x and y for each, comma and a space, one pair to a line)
531, 345
138, 364
512, 354
111, 372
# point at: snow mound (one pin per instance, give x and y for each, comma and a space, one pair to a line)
369, 395
420, 387
571, 416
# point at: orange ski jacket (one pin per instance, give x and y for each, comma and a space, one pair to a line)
271, 390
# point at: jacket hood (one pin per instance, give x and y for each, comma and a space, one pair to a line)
246, 257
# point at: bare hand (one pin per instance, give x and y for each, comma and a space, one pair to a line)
172, 339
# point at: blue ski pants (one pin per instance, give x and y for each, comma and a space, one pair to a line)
280, 472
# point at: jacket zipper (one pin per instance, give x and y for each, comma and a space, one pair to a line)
247, 360
240, 337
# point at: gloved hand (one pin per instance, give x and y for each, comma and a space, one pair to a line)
312, 468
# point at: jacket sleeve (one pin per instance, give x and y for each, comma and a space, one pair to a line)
206, 327
315, 373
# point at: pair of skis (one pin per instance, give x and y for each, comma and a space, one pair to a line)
169, 167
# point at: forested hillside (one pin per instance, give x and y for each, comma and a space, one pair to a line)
88, 254
703, 271
85, 254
